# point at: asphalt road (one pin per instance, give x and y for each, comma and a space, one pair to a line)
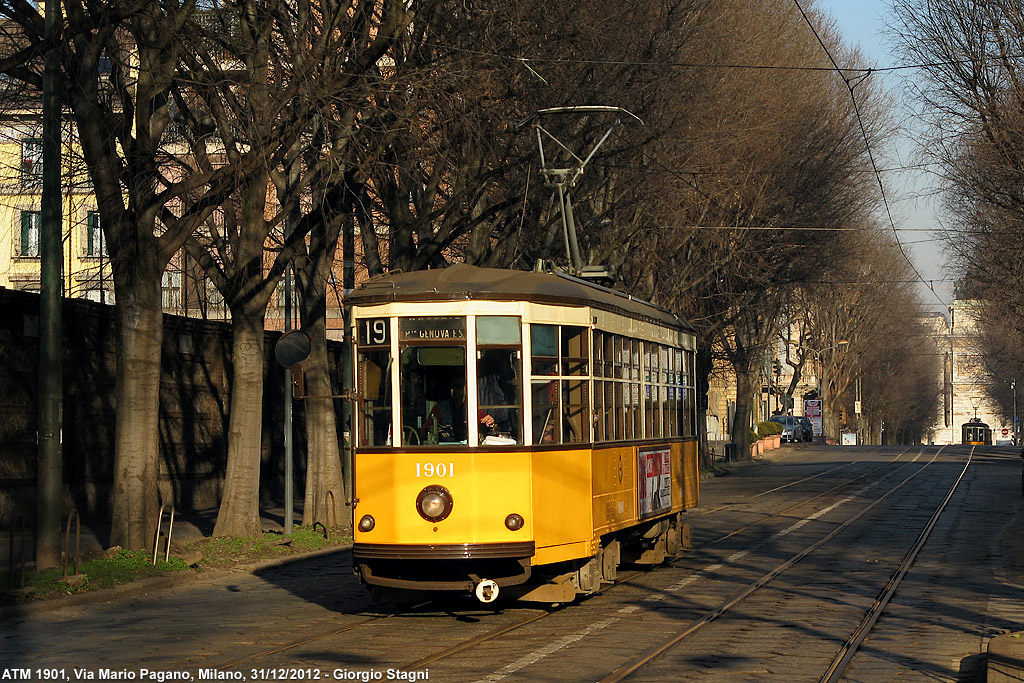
310, 620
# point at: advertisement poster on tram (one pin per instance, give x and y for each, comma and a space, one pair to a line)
654, 480
812, 411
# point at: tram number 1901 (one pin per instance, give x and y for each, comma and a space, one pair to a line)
430, 469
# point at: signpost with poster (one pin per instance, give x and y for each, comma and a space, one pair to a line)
812, 411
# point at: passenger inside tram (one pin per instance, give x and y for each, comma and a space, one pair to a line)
497, 397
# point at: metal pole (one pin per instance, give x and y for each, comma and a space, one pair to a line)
289, 465
1013, 385
51, 376
348, 283
821, 396
952, 380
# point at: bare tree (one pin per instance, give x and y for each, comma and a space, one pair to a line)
119, 61
262, 76
972, 99
755, 149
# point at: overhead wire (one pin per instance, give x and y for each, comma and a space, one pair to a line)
867, 143
862, 71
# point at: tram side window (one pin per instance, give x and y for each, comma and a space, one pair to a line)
499, 384
374, 368
544, 392
675, 392
432, 377
668, 429
633, 401
576, 392
375, 397
560, 369
688, 404
604, 387
618, 398
652, 393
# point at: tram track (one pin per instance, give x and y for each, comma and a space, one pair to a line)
768, 516
533, 618
848, 650
448, 652
776, 489
424, 661
846, 653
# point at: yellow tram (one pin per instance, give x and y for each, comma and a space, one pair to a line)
521, 432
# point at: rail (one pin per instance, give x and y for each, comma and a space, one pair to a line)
849, 649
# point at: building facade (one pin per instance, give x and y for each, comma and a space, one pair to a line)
966, 380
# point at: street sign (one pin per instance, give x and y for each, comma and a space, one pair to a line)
292, 348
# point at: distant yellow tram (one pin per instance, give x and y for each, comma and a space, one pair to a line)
516, 432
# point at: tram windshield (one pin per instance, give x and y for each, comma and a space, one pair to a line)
435, 376
374, 362
432, 353
433, 395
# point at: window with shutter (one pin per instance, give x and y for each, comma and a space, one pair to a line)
29, 244
95, 243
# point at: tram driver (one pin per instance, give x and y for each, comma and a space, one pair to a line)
499, 417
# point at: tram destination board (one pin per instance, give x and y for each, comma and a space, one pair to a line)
441, 328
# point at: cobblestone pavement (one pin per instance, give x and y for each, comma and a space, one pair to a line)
964, 589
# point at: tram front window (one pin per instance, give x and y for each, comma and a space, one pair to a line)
374, 371
432, 380
434, 395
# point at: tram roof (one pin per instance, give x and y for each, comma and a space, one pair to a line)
462, 282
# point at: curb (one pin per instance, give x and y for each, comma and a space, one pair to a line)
159, 583
1006, 658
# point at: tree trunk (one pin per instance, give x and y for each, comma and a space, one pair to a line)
136, 435
325, 492
745, 381
239, 513
703, 384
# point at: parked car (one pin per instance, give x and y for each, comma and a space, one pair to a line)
805, 422
792, 430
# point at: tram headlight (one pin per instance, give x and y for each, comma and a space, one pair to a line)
434, 503
514, 522
367, 523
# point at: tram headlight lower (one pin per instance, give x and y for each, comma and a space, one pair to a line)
434, 503
367, 523
514, 522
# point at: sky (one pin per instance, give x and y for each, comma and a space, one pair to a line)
862, 23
